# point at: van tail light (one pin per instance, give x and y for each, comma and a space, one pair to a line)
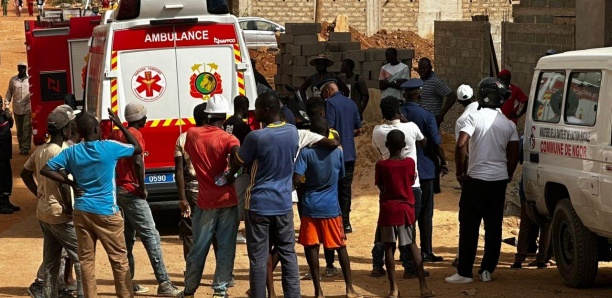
252, 122
107, 128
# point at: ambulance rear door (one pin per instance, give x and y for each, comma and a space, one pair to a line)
146, 74
209, 62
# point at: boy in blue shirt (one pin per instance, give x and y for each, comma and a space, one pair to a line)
321, 220
96, 214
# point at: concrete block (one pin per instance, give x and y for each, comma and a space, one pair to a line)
295, 50
357, 56
333, 46
350, 46
303, 71
313, 50
544, 19
286, 69
539, 3
278, 59
340, 36
287, 59
335, 68
305, 40
303, 28
369, 55
374, 74
336, 57
286, 38
372, 66
299, 61
405, 54
465, 53
379, 55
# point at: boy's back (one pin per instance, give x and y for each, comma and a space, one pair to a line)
395, 179
322, 168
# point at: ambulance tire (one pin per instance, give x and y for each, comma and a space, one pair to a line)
575, 247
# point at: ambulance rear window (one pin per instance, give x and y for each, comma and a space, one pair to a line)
217, 6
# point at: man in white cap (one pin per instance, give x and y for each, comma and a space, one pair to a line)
465, 94
216, 213
74, 138
19, 93
131, 197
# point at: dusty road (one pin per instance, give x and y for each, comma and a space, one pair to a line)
21, 242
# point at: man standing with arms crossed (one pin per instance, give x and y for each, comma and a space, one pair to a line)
271, 153
492, 142
96, 214
132, 198
19, 93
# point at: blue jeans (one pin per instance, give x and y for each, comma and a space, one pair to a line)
378, 251
223, 223
138, 218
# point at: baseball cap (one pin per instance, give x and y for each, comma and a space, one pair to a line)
57, 120
464, 92
68, 110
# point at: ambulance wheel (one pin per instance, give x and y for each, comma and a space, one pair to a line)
575, 247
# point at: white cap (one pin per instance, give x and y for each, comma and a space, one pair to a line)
464, 92
217, 104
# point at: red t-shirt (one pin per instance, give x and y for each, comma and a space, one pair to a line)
209, 147
513, 103
395, 178
125, 172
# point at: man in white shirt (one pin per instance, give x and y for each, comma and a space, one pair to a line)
493, 146
18, 92
393, 75
389, 106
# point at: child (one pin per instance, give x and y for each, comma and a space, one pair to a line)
321, 216
395, 177
6, 153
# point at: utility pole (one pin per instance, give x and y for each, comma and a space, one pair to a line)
318, 10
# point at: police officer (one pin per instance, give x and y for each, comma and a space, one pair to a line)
493, 144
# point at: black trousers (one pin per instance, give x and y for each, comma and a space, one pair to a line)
480, 200
6, 177
345, 193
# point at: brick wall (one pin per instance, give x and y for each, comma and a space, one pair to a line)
399, 14
462, 57
287, 11
525, 44
543, 11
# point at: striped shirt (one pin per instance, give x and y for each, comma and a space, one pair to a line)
433, 93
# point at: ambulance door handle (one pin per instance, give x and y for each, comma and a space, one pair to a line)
110, 74
173, 6
242, 66
534, 157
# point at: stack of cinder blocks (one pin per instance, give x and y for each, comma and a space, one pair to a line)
300, 44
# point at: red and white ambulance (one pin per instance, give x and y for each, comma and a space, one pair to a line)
169, 56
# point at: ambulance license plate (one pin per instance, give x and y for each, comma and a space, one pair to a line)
159, 178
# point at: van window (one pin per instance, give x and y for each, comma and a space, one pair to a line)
217, 7
549, 97
582, 98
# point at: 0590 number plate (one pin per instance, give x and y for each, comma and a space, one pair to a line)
159, 178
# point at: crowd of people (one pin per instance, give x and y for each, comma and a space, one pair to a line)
91, 190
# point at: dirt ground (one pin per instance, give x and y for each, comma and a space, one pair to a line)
21, 242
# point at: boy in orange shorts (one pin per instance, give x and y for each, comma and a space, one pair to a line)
321, 217
395, 177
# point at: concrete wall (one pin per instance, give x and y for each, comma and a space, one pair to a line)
525, 44
498, 11
543, 11
462, 52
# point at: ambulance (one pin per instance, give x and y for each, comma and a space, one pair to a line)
567, 169
169, 56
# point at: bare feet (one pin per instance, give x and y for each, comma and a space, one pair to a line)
352, 294
427, 293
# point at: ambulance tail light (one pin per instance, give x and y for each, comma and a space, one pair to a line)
184, 21
107, 128
252, 122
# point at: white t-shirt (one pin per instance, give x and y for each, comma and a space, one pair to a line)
393, 72
490, 132
411, 132
471, 108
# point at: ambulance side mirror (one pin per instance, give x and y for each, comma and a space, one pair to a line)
70, 100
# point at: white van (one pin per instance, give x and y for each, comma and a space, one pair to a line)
567, 170
170, 56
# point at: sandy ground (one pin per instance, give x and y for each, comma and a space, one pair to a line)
21, 242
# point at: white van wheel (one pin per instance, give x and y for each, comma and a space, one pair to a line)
575, 247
